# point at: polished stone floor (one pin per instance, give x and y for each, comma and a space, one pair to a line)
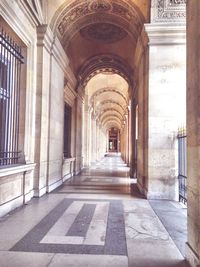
95, 219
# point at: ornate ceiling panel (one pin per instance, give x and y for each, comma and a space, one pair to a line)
71, 16
103, 32
88, 28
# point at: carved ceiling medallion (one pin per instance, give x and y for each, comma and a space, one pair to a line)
103, 32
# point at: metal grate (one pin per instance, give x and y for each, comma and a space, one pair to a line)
10, 69
182, 164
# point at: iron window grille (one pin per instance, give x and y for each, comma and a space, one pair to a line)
10, 71
182, 164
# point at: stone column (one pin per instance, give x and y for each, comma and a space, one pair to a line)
166, 107
78, 140
44, 42
87, 117
93, 139
141, 103
98, 141
133, 136
193, 132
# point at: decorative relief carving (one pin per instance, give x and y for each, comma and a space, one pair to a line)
103, 32
168, 11
100, 6
177, 2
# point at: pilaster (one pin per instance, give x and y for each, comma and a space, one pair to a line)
166, 107
44, 44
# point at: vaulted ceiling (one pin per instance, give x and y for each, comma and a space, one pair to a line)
100, 38
89, 28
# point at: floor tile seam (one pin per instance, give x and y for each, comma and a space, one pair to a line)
51, 259
166, 229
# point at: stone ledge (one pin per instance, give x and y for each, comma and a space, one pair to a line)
65, 160
14, 169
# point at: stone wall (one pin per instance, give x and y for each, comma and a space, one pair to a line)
16, 182
41, 167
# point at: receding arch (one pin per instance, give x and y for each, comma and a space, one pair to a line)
112, 111
111, 90
115, 103
106, 63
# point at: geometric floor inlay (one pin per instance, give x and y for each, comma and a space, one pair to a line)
79, 226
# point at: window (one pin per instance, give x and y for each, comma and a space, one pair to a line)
10, 71
67, 131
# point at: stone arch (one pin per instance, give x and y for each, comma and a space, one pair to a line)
107, 63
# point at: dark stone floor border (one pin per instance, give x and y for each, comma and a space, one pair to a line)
115, 241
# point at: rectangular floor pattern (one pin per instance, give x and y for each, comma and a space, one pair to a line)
69, 228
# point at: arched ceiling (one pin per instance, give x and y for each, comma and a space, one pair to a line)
100, 38
92, 28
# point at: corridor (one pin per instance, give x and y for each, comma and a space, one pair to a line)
94, 219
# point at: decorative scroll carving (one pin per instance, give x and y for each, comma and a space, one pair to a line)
100, 6
177, 2
168, 11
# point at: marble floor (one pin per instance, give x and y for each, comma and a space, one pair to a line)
96, 219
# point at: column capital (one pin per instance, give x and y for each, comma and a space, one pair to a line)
45, 37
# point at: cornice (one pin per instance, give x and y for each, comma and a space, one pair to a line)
171, 34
